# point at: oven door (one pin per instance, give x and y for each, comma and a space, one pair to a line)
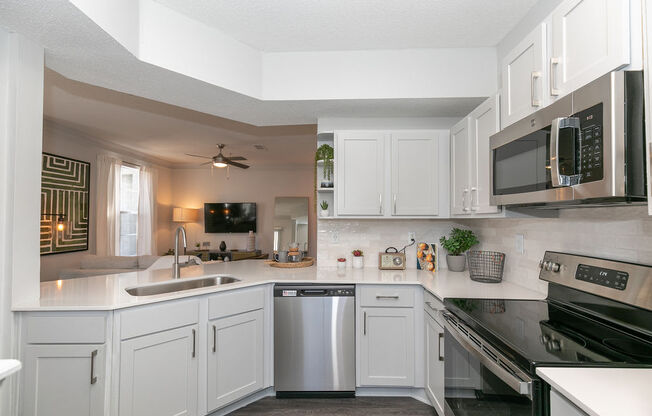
479, 380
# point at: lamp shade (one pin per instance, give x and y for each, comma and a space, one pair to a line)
185, 215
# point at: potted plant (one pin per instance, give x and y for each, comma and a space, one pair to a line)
325, 153
458, 243
324, 209
358, 259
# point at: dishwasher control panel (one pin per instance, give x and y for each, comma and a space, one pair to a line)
313, 291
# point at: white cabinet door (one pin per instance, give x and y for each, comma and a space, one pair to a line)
235, 358
158, 374
485, 121
435, 363
387, 347
589, 39
360, 172
63, 380
460, 170
415, 173
524, 76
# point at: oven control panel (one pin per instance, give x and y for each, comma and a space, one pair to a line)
614, 279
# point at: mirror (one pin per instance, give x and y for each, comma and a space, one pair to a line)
290, 222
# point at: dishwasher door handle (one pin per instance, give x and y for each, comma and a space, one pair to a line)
314, 291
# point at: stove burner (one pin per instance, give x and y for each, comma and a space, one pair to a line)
629, 347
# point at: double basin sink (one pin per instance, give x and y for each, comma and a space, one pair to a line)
179, 285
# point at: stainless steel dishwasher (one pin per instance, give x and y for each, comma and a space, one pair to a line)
314, 340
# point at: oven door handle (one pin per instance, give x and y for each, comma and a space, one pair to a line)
557, 179
522, 387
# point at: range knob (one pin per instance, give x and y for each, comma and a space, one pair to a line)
553, 267
555, 345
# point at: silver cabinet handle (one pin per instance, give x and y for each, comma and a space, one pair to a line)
464, 192
386, 296
533, 96
474, 207
194, 333
214, 338
394, 204
554, 63
441, 357
380, 203
364, 324
93, 376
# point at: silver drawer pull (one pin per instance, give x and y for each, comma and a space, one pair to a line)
386, 296
214, 338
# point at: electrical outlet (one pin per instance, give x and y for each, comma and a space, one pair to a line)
412, 236
335, 237
520, 243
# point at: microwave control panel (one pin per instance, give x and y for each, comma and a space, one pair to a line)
614, 279
591, 143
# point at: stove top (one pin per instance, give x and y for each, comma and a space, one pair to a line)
543, 333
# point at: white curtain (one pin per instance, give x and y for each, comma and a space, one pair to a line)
107, 231
147, 211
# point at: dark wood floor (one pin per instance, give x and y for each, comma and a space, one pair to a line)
362, 406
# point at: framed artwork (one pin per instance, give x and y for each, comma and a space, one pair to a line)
65, 188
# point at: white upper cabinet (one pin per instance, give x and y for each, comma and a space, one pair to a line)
524, 76
460, 169
484, 122
415, 173
589, 39
399, 173
360, 173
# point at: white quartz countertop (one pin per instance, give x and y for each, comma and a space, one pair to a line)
8, 367
603, 391
108, 292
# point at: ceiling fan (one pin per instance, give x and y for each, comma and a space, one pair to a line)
221, 161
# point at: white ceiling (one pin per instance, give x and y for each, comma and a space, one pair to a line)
318, 25
166, 132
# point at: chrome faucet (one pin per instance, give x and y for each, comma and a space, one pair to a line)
176, 266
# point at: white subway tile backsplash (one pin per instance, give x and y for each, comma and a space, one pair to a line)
620, 233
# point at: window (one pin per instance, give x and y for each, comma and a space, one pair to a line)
129, 184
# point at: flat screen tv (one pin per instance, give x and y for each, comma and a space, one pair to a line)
230, 217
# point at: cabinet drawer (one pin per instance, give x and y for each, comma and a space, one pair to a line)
159, 317
235, 302
65, 328
387, 296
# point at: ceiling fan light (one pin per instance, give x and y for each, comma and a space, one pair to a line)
219, 164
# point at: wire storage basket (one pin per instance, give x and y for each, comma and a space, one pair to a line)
486, 266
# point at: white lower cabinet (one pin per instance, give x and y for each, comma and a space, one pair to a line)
235, 358
158, 373
387, 347
63, 380
434, 335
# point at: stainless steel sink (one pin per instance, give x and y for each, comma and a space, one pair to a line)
179, 285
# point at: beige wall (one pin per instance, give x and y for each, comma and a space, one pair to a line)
191, 188
66, 142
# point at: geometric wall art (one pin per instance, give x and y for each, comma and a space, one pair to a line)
64, 191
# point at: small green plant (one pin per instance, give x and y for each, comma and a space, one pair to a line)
324, 205
325, 153
459, 242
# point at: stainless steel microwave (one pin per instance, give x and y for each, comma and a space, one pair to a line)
587, 148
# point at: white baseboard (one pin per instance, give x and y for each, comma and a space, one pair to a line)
244, 402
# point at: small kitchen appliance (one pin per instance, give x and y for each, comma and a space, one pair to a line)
391, 259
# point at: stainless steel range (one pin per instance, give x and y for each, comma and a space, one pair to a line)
598, 313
